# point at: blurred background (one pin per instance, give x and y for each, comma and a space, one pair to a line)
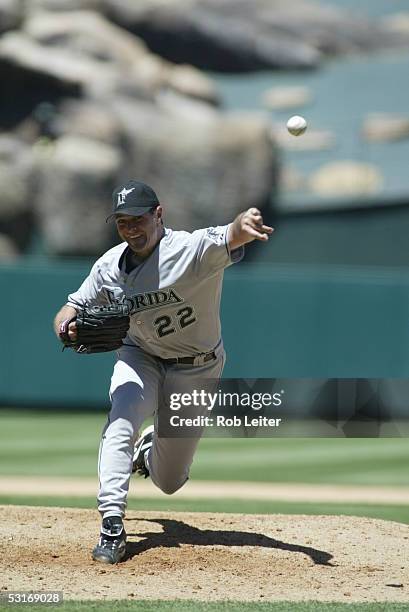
192, 97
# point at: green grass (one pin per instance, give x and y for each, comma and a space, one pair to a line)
66, 444
388, 513
47, 444
197, 606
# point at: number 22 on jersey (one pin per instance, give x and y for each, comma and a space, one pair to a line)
166, 324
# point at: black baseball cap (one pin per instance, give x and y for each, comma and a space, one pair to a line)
133, 198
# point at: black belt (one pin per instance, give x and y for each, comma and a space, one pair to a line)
197, 360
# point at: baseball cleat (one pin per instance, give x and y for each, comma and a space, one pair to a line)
112, 542
143, 444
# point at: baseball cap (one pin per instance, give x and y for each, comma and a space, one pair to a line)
133, 198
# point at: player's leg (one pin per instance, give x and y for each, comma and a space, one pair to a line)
169, 459
133, 394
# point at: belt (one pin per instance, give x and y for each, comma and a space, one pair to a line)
197, 360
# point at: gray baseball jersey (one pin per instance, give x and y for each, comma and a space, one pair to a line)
174, 294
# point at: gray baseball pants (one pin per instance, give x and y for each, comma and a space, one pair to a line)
136, 393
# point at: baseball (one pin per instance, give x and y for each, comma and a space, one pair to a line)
296, 125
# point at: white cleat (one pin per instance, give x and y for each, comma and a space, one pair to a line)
143, 443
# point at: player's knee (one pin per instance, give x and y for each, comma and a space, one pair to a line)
171, 486
126, 418
170, 489
126, 402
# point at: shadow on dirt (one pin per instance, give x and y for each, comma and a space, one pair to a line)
176, 533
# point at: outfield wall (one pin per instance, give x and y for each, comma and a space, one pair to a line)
278, 320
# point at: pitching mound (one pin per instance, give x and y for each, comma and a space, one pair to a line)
207, 556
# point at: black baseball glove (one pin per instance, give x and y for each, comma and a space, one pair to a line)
99, 329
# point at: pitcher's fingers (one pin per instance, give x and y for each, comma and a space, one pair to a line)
72, 330
255, 233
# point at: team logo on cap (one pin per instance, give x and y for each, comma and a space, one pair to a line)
122, 195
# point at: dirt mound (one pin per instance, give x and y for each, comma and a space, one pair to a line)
207, 556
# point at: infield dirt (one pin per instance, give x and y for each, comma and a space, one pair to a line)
207, 556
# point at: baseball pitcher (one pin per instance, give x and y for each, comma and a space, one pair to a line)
155, 299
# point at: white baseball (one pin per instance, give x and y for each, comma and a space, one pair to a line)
296, 125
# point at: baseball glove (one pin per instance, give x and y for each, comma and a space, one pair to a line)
99, 329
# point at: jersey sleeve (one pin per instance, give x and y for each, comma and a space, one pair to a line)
212, 250
89, 294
